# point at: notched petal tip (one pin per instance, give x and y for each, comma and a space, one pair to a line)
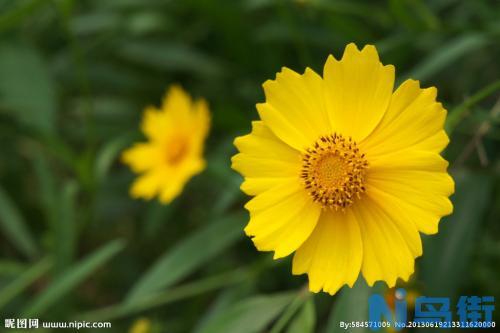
266, 84
238, 141
353, 281
330, 65
350, 49
369, 282
176, 89
244, 187
235, 163
165, 200
309, 71
287, 71
313, 288
367, 53
247, 231
331, 59
392, 69
370, 51
413, 82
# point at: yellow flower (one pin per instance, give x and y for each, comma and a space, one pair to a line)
141, 325
345, 172
174, 152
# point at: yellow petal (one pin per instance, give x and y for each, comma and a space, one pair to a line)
282, 218
147, 185
264, 160
143, 156
358, 90
201, 119
173, 183
415, 184
155, 124
332, 255
174, 152
171, 190
177, 105
386, 254
421, 190
400, 218
165, 181
294, 108
252, 166
426, 221
257, 185
179, 116
408, 160
427, 190
413, 120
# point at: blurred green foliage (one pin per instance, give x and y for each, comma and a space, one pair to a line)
74, 78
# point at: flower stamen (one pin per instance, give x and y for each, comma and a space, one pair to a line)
333, 171
176, 151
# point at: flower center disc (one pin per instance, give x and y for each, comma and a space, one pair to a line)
177, 149
333, 171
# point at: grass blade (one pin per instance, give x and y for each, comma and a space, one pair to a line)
65, 228
162, 298
15, 227
448, 254
290, 311
107, 155
22, 10
19, 64
460, 112
305, 321
11, 268
251, 315
71, 278
24, 280
189, 255
447, 55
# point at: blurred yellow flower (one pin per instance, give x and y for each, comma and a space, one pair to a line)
141, 325
176, 135
345, 172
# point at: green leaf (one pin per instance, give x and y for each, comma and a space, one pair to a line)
156, 215
11, 268
414, 14
24, 73
351, 305
251, 315
14, 226
170, 56
460, 112
14, 16
189, 255
24, 280
224, 300
305, 321
65, 227
446, 55
447, 255
108, 154
46, 184
165, 297
71, 278
293, 307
